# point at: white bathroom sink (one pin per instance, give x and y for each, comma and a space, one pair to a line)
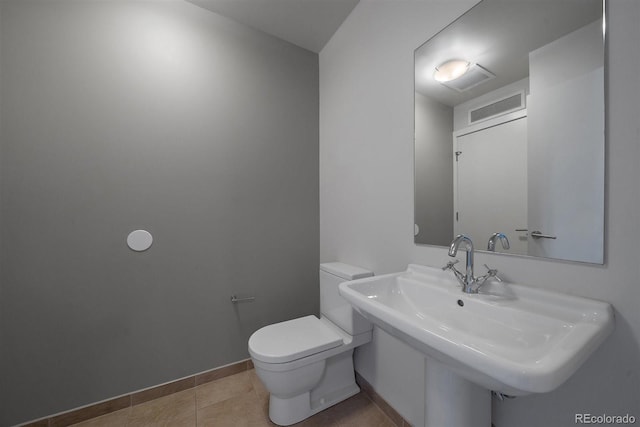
509, 338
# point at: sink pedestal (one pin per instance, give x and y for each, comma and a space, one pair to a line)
452, 401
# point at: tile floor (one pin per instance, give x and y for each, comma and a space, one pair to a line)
238, 400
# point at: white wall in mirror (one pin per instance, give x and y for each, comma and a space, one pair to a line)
565, 149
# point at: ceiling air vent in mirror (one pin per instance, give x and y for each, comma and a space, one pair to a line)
472, 78
497, 108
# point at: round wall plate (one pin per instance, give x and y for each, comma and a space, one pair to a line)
139, 240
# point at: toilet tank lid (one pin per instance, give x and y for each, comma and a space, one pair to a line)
345, 271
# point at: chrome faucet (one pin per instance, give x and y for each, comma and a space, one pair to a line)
453, 251
470, 283
491, 245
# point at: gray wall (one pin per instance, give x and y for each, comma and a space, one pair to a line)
366, 203
434, 171
2, 347
119, 115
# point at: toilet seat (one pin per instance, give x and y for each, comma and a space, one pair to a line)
292, 340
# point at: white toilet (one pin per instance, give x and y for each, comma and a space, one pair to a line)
307, 363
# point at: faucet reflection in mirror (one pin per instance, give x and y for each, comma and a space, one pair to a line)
517, 144
504, 241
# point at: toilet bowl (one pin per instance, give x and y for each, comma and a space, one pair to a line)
306, 364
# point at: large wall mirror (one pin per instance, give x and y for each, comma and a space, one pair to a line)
509, 129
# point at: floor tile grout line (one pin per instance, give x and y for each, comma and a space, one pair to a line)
366, 389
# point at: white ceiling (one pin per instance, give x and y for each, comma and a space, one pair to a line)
306, 23
498, 35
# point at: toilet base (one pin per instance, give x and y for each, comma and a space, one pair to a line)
285, 412
337, 384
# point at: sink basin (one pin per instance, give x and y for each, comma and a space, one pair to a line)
509, 338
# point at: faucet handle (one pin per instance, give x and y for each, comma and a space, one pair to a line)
450, 265
492, 272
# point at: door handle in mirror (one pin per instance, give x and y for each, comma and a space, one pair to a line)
539, 235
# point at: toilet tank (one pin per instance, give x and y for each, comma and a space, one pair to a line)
332, 305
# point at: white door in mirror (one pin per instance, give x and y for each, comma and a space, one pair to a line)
139, 240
